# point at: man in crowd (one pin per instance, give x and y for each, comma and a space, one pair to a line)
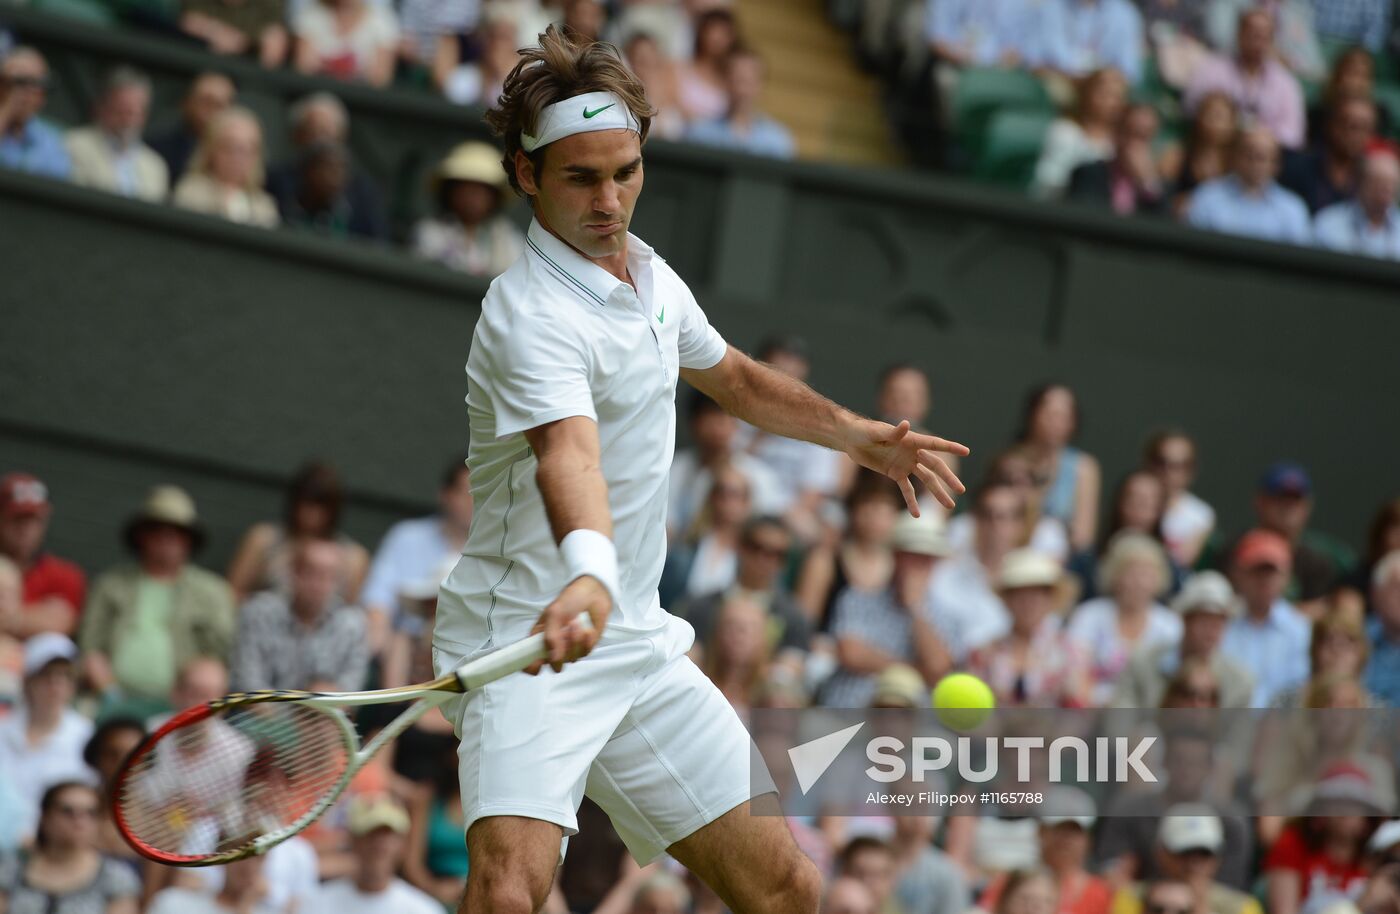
321, 118
966, 609
109, 155
713, 442
848, 895
904, 394
973, 33
1383, 669
745, 127
1266, 94
1283, 503
379, 829
239, 27
209, 94
1130, 181
28, 142
319, 199
53, 588
1206, 604
1249, 202
926, 878
1370, 224
1271, 638
1331, 174
1076, 37
1363, 22
289, 641
145, 620
871, 862
1189, 844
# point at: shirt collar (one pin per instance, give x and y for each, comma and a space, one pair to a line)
585, 278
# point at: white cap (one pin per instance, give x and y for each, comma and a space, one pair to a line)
1189, 826
1028, 568
1207, 591
920, 535
46, 647
1070, 804
1385, 837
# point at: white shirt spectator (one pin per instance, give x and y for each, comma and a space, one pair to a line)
690, 486
190, 901
410, 553
1094, 625
30, 770
347, 56
341, 897
1066, 147
1048, 537
963, 608
1185, 521
291, 871
1274, 651
1345, 227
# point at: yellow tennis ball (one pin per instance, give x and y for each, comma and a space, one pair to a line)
963, 701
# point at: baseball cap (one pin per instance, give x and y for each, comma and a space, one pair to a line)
1286, 478
1071, 804
900, 684
920, 535
46, 647
21, 494
1353, 780
1028, 568
378, 811
1207, 591
1188, 827
1263, 547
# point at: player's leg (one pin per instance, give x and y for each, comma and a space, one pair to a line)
513, 862
752, 863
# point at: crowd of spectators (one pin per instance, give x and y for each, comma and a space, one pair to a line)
807, 584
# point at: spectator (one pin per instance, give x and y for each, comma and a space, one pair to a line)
108, 747
1339, 650
225, 173
1076, 37
323, 202
209, 95
144, 621
927, 880
584, 20
312, 506
713, 436
431, 38
1271, 638
764, 545
661, 79
309, 635
239, 28
1066, 828
1138, 506
414, 550
1206, 604
28, 142
470, 233
346, 39
962, 596
1086, 136
848, 895
1035, 664
1190, 841
861, 559
707, 558
316, 120
1283, 503
1382, 538
41, 743
53, 587
1249, 202
738, 653
1370, 224
1131, 181
1128, 618
11, 648
1363, 22
1188, 521
109, 155
1353, 76
1295, 41
1176, 32
1043, 533
973, 33
874, 630
704, 94
1383, 629
871, 860
1031, 891
480, 82
1332, 173
1069, 479
436, 860
378, 826
744, 126
1317, 860
1263, 90
64, 871
244, 890
1209, 147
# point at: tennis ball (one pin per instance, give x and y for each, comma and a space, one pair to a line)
962, 701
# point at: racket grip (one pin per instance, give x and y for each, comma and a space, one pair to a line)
512, 658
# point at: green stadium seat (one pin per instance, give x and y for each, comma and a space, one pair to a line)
95, 12
981, 93
1012, 146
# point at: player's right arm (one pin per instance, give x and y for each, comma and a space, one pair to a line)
570, 479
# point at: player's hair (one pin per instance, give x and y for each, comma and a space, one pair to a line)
561, 67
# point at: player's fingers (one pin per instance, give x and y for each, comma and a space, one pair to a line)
950, 447
554, 641
945, 472
935, 485
900, 431
911, 500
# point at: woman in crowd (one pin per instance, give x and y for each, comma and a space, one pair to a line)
1086, 135
1353, 75
1318, 859
347, 39
662, 81
1132, 575
225, 174
1070, 479
737, 656
1338, 652
1066, 833
708, 557
1139, 506
862, 559
1188, 521
470, 232
104, 753
1382, 538
314, 499
1028, 892
701, 91
436, 859
1043, 533
1196, 685
480, 81
1208, 145
64, 873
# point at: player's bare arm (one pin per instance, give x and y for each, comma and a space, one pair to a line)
570, 479
783, 405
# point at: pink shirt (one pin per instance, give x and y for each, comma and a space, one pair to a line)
1271, 99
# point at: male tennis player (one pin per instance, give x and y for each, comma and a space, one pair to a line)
571, 395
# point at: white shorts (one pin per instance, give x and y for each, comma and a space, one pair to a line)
635, 725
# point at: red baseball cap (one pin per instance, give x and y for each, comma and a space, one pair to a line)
21, 493
1263, 547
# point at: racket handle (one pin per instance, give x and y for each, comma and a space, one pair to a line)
510, 659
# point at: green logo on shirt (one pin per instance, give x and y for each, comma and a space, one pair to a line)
661, 318
596, 111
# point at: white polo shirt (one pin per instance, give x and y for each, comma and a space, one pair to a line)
559, 336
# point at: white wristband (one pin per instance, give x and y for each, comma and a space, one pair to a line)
588, 552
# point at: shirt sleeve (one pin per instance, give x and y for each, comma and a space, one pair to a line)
700, 344
541, 375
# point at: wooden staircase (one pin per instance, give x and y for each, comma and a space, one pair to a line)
814, 86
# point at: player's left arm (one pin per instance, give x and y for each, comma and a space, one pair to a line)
782, 405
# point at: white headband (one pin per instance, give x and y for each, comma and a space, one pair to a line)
580, 114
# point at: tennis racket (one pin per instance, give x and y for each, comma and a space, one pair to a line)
233, 778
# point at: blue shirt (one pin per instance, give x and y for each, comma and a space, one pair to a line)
1274, 651
1345, 227
1382, 677
1077, 36
764, 137
983, 29
1274, 214
38, 148
411, 553
1366, 22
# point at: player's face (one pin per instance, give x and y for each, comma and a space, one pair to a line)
586, 188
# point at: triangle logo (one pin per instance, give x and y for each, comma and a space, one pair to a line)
810, 760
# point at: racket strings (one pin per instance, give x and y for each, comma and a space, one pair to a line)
214, 785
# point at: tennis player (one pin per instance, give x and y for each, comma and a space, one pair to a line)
571, 397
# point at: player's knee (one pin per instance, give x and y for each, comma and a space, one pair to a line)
503, 893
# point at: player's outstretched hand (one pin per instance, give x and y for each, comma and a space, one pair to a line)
899, 453
565, 638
